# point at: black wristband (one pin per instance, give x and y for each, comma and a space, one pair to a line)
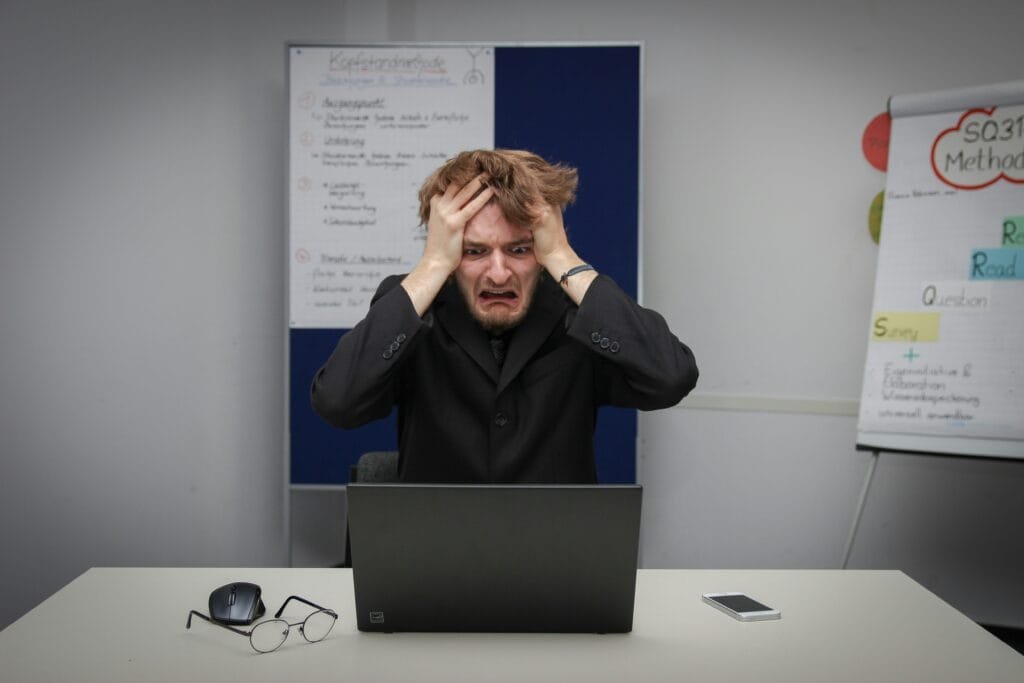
572, 271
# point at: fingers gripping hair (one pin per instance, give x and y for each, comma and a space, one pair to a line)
522, 182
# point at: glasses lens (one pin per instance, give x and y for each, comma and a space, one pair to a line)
268, 635
317, 626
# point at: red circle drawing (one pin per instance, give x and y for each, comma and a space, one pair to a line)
875, 141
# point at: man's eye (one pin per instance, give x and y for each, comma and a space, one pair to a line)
472, 252
520, 251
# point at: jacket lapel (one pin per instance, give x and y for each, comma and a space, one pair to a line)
464, 330
546, 312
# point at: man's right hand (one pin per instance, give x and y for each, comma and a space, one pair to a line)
449, 213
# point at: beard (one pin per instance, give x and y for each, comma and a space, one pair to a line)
499, 322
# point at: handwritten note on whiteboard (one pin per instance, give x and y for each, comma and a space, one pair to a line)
367, 125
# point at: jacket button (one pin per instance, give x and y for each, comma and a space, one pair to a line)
501, 419
605, 342
596, 337
614, 348
394, 346
388, 353
401, 337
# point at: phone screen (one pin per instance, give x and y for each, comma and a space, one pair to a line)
740, 603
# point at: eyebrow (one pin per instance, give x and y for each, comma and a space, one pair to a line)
482, 245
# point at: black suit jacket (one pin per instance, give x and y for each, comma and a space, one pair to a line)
462, 418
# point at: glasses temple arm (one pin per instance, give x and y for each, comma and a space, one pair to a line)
303, 600
188, 624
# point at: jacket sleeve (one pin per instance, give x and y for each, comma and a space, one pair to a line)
641, 364
360, 380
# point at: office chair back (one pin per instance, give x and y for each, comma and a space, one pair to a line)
375, 467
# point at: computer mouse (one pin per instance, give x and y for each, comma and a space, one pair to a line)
237, 603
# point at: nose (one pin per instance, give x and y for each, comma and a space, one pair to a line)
497, 268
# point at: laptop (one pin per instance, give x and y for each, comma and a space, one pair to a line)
486, 558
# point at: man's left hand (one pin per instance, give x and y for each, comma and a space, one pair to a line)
552, 250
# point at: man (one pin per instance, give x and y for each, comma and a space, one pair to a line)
501, 343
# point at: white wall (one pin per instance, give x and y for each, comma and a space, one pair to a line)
142, 276
142, 285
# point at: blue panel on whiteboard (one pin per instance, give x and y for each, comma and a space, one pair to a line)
581, 106
322, 454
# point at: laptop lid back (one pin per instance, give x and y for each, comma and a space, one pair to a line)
515, 558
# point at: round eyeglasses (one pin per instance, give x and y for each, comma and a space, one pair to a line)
269, 635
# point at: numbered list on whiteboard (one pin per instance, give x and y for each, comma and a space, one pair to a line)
366, 127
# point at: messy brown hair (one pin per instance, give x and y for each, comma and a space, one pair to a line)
522, 182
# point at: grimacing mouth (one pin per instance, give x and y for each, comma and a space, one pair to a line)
495, 294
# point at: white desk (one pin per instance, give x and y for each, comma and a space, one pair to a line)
129, 625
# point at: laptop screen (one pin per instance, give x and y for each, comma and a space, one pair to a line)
486, 558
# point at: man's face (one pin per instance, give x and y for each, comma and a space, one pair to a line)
498, 273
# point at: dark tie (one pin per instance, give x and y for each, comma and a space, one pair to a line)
498, 348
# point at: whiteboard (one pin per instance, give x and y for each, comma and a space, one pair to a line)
945, 369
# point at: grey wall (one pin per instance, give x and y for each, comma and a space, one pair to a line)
142, 321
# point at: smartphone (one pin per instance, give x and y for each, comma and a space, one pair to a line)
741, 606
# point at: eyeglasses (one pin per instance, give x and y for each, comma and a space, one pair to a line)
269, 635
